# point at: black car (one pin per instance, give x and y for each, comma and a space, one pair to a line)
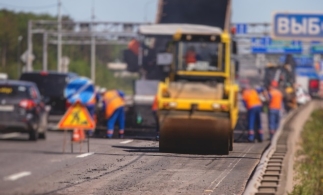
21, 109
51, 86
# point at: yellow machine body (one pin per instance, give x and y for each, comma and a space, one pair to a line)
197, 117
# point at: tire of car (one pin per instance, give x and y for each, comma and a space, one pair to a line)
42, 135
33, 134
43, 126
34, 131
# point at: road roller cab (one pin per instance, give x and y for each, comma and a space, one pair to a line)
198, 101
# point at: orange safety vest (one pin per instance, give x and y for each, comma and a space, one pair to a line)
134, 46
276, 99
251, 98
190, 57
155, 104
113, 101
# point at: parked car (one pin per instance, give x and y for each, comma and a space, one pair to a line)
51, 86
21, 109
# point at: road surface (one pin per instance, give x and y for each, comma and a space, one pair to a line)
128, 166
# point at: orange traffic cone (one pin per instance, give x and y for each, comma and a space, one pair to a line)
78, 135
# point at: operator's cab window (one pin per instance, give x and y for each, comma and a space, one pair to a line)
197, 56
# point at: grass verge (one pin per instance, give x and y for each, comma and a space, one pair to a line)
309, 164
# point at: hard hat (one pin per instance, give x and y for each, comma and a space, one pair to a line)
274, 83
97, 88
289, 90
103, 90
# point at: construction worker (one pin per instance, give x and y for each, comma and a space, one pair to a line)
253, 104
134, 46
113, 104
190, 56
91, 105
154, 108
275, 105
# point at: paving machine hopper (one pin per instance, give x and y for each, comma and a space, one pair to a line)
198, 101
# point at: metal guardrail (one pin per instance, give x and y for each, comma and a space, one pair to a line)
267, 177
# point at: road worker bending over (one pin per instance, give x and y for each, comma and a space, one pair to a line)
90, 105
113, 104
253, 104
275, 106
154, 108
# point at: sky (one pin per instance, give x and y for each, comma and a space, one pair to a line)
145, 10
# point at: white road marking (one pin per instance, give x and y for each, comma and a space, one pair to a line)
236, 161
9, 135
85, 155
232, 168
55, 160
17, 176
126, 142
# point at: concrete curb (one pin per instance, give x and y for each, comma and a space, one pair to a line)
293, 139
255, 182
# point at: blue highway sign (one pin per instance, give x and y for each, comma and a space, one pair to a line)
301, 60
298, 26
241, 29
317, 47
269, 46
80, 89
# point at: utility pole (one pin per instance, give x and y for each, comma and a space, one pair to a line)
59, 37
92, 46
30, 47
18, 56
45, 38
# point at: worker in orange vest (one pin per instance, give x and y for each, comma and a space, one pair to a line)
190, 56
154, 108
133, 46
253, 104
275, 105
113, 104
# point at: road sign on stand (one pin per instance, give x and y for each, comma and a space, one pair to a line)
298, 26
77, 117
80, 90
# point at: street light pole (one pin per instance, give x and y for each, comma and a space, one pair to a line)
30, 47
45, 55
59, 38
18, 56
93, 46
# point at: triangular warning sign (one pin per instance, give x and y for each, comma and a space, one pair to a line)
77, 116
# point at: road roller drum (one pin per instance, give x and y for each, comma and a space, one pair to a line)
199, 132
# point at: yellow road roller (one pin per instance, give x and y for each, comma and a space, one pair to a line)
198, 101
